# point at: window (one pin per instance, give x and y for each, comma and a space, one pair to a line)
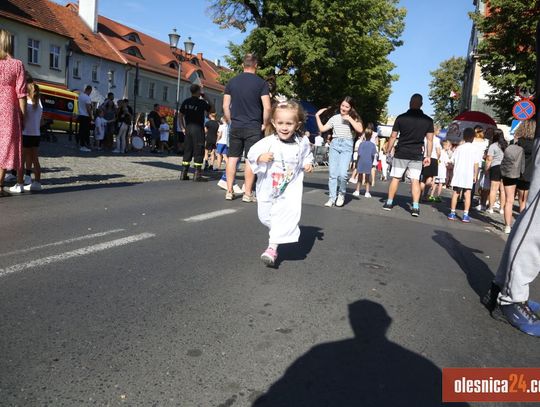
151, 89
133, 37
111, 79
133, 51
77, 69
95, 73
195, 61
54, 57
33, 51
165, 93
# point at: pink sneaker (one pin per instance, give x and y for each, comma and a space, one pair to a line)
269, 257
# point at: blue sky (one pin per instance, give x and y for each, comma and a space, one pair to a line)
435, 30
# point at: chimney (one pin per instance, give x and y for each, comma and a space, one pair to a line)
217, 62
88, 11
199, 56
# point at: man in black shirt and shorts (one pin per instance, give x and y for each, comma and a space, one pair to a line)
192, 114
413, 126
246, 107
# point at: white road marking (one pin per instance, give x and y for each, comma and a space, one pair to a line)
210, 215
75, 253
75, 239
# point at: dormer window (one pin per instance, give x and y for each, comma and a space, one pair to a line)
195, 61
133, 37
133, 51
173, 65
200, 74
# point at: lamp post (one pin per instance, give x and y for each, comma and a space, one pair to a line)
174, 37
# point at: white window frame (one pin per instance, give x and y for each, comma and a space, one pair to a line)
54, 57
113, 85
95, 73
151, 90
77, 69
165, 93
33, 51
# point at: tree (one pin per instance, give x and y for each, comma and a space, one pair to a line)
319, 50
507, 50
447, 81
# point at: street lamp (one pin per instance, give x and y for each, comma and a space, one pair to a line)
174, 37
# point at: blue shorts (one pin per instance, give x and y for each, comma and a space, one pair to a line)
222, 149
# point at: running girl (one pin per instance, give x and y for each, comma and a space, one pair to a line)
279, 161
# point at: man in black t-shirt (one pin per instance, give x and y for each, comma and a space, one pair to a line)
413, 126
192, 114
246, 107
154, 118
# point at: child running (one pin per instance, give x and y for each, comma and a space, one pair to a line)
466, 160
279, 161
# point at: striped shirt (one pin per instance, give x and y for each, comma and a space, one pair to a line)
340, 127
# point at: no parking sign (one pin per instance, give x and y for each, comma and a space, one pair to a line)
524, 110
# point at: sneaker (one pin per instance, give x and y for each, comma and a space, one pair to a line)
415, 212
501, 211
33, 187
87, 150
480, 207
521, 316
222, 184
466, 219
269, 257
329, 203
229, 196
387, 206
490, 299
431, 198
340, 200
249, 198
437, 199
10, 178
367, 195
116, 151
17, 189
27, 180
356, 194
490, 211
452, 216
353, 180
237, 189
507, 229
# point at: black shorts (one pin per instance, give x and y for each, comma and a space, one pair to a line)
241, 140
523, 185
210, 146
30, 141
432, 170
508, 182
495, 173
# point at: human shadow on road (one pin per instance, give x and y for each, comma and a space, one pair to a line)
477, 272
367, 370
300, 250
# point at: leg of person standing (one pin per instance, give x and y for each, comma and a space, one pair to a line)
198, 152
188, 153
333, 171
249, 178
343, 169
520, 263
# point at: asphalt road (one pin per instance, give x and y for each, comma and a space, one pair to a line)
124, 295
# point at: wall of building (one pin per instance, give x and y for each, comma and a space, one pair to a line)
41, 71
101, 85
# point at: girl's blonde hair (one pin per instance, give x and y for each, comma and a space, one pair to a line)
6, 47
33, 90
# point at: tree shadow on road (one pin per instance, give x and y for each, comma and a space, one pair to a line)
367, 370
300, 250
55, 189
477, 271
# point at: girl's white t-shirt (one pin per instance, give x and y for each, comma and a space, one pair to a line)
164, 132
224, 129
99, 132
32, 119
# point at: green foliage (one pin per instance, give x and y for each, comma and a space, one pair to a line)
506, 51
320, 50
447, 78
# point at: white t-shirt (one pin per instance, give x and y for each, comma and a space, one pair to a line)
340, 127
436, 145
480, 146
224, 130
84, 100
164, 132
99, 130
464, 158
319, 141
32, 119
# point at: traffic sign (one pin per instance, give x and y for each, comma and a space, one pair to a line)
524, 110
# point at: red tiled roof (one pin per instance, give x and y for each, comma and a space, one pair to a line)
84, 40
157, 55
33, 12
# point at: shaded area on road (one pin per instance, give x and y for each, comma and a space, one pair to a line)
478, 274
299, 251
367, 370
85, 187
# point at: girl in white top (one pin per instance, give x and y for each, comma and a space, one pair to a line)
222, 144
31, 137
164, 135
279, 161
99, 128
